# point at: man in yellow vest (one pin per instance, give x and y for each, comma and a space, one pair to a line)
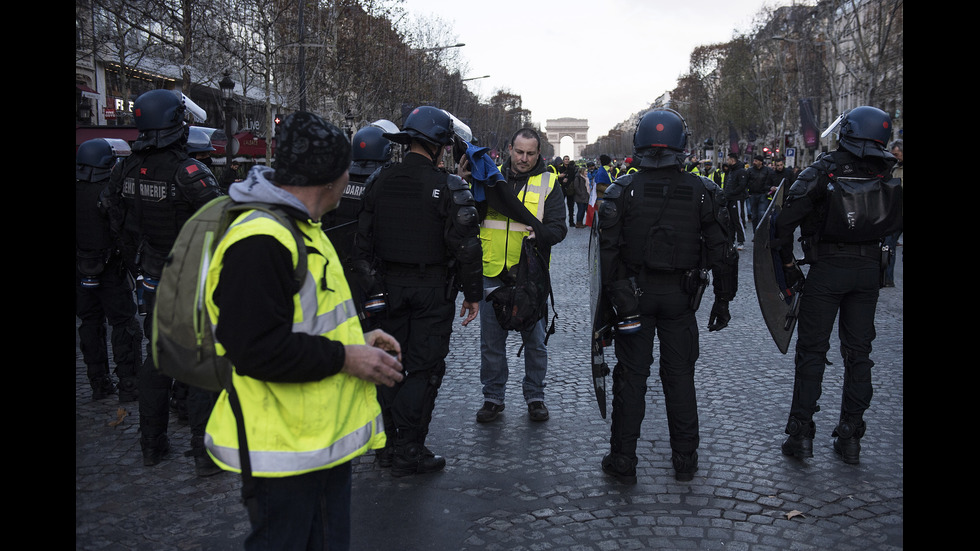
501, 235
304, 371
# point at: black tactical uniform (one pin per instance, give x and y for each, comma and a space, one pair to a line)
152, 194
103, 286
369, 152
659, 233
417, 236
843, 247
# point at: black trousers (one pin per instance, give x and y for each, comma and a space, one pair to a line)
665, 313
848, 286
421, 319
154, 395
113, 302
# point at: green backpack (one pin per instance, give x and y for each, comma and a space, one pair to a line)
183, 336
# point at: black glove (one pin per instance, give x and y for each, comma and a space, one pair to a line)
719, 315
362, 273
794, 276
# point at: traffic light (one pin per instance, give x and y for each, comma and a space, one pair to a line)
278, 119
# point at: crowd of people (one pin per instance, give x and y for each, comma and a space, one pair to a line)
352, 360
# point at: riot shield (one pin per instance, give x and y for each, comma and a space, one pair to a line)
778, 302
601, 322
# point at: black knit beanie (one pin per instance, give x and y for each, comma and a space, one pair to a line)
310, 151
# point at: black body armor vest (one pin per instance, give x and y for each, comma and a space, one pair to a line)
661, 224
408, 225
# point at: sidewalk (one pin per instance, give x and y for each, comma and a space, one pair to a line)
519, 485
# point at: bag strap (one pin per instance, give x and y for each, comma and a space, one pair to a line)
248, 481
529, 249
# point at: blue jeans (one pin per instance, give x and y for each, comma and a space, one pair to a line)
307, 511
494, 370
758, 203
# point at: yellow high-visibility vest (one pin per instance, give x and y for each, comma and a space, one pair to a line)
501, 237
295, 428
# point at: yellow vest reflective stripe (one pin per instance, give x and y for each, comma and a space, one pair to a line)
501, 237
294, 428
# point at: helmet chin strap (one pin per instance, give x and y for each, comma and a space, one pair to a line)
433, 153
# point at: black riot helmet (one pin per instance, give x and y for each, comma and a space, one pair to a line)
867, 123
96, 157
369, 144
198, 141
158, 110
426, 123
159, 117
661, 135
864, 131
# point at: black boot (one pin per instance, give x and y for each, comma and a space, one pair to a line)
848, 441
800, 441
102, 387
383, 457
621, 467
155, 449
685, 465
414, 458
128, 391
203, 464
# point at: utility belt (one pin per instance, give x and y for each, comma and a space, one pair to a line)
866, 250
400, 273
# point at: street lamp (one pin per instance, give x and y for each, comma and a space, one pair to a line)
474, 78
228, 95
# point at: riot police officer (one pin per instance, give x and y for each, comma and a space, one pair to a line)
417, 236
660, 232
103, 286
370, 151
843, 247
199, 146
151, 194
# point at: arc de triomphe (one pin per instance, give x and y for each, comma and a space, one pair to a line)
576, 129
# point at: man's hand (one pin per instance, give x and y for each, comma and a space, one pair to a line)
373, 364
794, 276
463, 168
379, 339
719, 315
473, 308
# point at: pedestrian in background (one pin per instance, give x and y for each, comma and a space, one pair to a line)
734, 193
229, 176
580, 190
758, 178
304, 372
567, 180
103, 285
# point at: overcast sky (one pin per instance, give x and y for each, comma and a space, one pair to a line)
602, 60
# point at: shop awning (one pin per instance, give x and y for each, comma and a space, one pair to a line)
248, 145
85, 133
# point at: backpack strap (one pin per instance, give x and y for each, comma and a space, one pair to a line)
299, 274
